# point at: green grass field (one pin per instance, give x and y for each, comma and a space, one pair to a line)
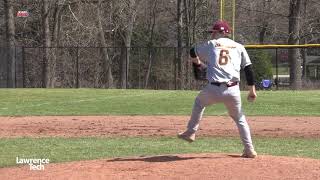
25, 102
74, 149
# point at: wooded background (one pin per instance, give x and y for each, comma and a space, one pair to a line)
141, 43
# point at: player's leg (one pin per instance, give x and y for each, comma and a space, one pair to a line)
232, 101
208, 96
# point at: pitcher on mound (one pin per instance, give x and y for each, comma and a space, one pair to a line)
224, 58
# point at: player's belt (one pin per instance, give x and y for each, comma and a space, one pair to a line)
230, 84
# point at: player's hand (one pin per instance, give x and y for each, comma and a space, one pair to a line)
252, 94
252, 97
196, 61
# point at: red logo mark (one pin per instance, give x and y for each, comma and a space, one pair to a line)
22, 14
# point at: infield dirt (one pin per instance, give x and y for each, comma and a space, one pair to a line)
78, 126
187, 166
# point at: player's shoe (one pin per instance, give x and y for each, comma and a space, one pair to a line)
249, 153
187, 136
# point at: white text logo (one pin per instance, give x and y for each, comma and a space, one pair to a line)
35, 164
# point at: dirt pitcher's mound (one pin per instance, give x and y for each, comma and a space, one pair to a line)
190, 166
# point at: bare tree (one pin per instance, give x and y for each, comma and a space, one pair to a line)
10, 33
296, 8
59, 4
194, 22
264, 22
303, 40
151, 36
3, 61
179, 62
187, 25
56, 65
126, 34
46, 44
106, 64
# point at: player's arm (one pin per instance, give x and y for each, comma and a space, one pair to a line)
195, 59
199, 52
199, 68
250, 82
246, 64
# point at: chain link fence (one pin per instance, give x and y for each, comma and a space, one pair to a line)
130, 68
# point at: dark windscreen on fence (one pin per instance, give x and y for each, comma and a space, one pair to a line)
139, 68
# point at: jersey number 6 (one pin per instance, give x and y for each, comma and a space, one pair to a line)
224, 57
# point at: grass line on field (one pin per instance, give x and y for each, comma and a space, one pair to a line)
27, 102
96, 99
76, 149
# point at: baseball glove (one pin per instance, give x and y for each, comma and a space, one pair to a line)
200, 71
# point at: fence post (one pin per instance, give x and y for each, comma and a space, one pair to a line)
77, 67
304, 62
139, 63
44, 66
175, 67
15, 68
277, 79
7, 66
23, 71
127, 68
11, 67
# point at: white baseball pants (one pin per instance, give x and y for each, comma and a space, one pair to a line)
230, 96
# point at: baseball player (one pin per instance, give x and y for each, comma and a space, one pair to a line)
224, 58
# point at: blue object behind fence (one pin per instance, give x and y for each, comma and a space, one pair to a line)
266, 84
